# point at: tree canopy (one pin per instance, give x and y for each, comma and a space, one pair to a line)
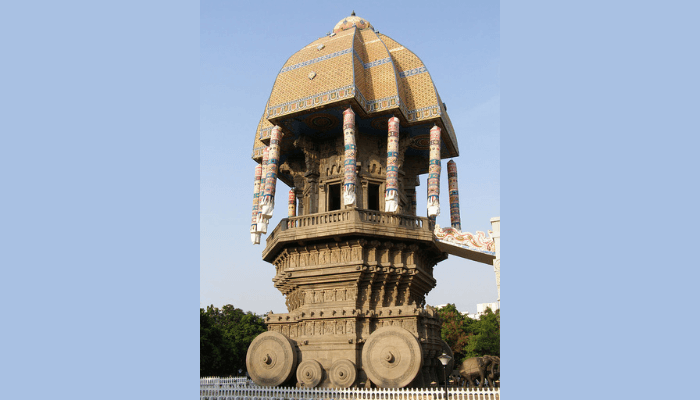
225, 335
469, 337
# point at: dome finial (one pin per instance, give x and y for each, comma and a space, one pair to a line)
351, 22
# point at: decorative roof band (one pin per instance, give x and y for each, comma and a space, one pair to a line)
315, 60
373, 63
265, 133
411, 72
308, 101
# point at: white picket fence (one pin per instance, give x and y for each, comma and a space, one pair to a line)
242, 389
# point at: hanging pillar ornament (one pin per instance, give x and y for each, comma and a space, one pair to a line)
268, 200
254, 234
391, 200
262, 222
292, 208
454, 195
350, 181
434, 173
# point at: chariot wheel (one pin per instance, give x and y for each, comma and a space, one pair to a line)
271, 359
450, 365
343, 373
309, 373
391, 357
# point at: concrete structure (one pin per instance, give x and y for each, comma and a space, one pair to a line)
354, 277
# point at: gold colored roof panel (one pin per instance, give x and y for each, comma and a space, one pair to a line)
355, 63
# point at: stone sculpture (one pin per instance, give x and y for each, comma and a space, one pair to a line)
477, 370
353, 260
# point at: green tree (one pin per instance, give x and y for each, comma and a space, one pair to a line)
455, 330
213, 349
486, 338
238, 329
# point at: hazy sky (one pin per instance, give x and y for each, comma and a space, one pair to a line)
243, 47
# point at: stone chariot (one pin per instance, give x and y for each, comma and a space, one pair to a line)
353, 260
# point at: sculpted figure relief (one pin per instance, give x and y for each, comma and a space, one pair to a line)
350, 327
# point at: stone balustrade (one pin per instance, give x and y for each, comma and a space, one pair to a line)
347, 222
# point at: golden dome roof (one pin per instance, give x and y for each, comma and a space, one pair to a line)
358, 67
349, 22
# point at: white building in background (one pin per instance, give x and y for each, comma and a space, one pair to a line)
481, 309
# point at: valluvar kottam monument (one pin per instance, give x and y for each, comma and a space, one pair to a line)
352, 121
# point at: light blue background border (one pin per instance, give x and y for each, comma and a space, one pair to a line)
100, 176
599, 159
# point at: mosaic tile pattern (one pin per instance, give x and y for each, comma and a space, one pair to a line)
378, 72
315, 60
312, 101
333, 68
411, 72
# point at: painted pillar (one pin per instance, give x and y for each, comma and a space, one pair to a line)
434, 173
262, 223
254, 234
496, 235
268, 200
454, 195
350, 180
292, 208
391, 200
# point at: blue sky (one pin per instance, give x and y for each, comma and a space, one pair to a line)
242, 48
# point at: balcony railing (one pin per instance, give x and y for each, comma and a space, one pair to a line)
346, 222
